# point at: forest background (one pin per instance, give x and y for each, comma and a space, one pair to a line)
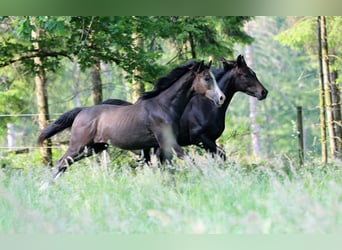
51, 64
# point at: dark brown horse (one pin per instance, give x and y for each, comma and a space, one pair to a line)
202, 123
150, 122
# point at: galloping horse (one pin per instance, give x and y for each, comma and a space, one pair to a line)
202, 123
150, 122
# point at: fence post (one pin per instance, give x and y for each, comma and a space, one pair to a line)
10, 136
300, 135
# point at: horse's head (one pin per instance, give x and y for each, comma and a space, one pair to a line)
246, 80
205, 84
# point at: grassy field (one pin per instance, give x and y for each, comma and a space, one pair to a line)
200, 196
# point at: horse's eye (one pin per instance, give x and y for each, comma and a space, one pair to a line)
207, 78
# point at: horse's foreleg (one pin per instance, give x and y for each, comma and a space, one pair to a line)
179, 151
166, 153
220, 151
166, 139
211, 147
147, 156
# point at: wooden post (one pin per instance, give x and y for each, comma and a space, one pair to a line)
10, 136
300, 135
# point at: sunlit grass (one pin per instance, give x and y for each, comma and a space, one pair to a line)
201, 196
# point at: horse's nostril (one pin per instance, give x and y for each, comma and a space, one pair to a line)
264, 93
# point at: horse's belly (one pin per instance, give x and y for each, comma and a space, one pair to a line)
131, 139
134, 144
125, 128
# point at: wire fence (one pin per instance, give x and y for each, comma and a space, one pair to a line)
29, 145
27, 115
22, 138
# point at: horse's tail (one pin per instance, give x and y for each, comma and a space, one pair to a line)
64, 121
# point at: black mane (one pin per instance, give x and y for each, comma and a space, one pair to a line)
166, 81
219, 72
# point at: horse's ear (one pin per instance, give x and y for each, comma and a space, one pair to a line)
210, 62
226, 64
223, 60
200, 67
241, 61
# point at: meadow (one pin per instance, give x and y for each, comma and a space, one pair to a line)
199, 196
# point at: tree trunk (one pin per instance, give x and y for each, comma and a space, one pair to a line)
327, 88
107, 81
336, 106
138, 86
253, 109
96, 82
42, 100
76, 80
322, 98
192, 46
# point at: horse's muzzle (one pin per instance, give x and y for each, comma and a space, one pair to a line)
263, 95
220, 100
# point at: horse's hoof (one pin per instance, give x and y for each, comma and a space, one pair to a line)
44, 186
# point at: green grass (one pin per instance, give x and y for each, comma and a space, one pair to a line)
204, 196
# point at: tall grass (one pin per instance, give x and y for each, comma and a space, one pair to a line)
201, 196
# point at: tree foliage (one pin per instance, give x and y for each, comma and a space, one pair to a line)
63, 40
302, 36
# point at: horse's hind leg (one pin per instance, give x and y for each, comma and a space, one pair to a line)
99, 147
61, 166
72, 156
66, 160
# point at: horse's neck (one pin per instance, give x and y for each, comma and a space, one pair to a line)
177, 96
226, 84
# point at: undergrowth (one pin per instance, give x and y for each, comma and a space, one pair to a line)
198, 195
